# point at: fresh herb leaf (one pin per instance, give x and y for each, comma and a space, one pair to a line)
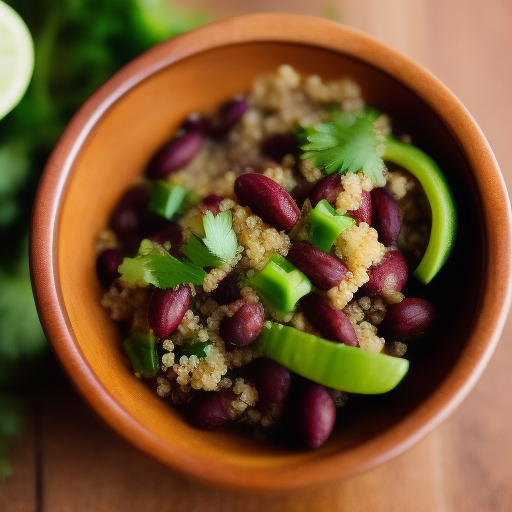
21, 335
348, 143
220, 237
79, 44
198, 253
154, 265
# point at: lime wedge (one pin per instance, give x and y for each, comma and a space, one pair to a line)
16, 58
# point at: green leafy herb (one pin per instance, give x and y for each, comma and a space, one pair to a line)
198, 253
154, 265
79, 44
348, 143
21, 335
220, 237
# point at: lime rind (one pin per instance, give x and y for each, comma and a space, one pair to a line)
16, 58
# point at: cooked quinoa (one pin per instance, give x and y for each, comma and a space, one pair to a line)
276, 104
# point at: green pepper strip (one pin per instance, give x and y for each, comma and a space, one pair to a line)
444, 216
141, 350
335, 365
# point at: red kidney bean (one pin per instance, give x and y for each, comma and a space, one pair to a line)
330, 187
106, 265
316, 415
230, 114
197, 123
135, 200
227, 290
172, 234
210, 409
175, 155
126, 224
272, 381
210, 203
322, 269
408, 318
129, 217
326, 188
244, 326
332, 323
364, 212
386, 216
166, 309
267, 199
278, 145
389, 275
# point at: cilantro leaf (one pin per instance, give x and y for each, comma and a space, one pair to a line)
220, 237
198, 253
154, 265
21, 335
348, 143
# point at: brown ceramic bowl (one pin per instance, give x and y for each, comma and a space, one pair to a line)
107, 145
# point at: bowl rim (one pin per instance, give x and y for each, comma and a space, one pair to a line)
331, 36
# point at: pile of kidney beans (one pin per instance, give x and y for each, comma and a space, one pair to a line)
314, 410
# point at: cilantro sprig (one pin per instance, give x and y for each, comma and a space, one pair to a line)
220, 243
220, 237
154, 265
198, 253
347, 143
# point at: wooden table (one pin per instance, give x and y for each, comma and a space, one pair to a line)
68, 461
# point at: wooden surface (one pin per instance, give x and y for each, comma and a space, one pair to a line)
67, 460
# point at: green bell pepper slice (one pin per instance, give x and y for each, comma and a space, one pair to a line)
326, 225
439, 195
166, 199
141, 350
280, 284
335, 365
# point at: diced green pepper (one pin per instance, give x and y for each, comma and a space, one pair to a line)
197, 348
166, 199
335, 365
444, 216
141, 350
326, 225
280, 284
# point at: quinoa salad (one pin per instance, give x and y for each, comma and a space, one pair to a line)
256, 267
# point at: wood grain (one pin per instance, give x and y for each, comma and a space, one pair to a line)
465, 464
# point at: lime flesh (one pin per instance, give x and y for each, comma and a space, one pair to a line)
16, 58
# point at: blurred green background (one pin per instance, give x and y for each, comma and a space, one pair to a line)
78, 45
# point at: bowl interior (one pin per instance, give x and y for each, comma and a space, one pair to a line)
115, 153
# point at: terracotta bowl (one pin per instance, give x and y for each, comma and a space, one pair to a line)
107, 145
